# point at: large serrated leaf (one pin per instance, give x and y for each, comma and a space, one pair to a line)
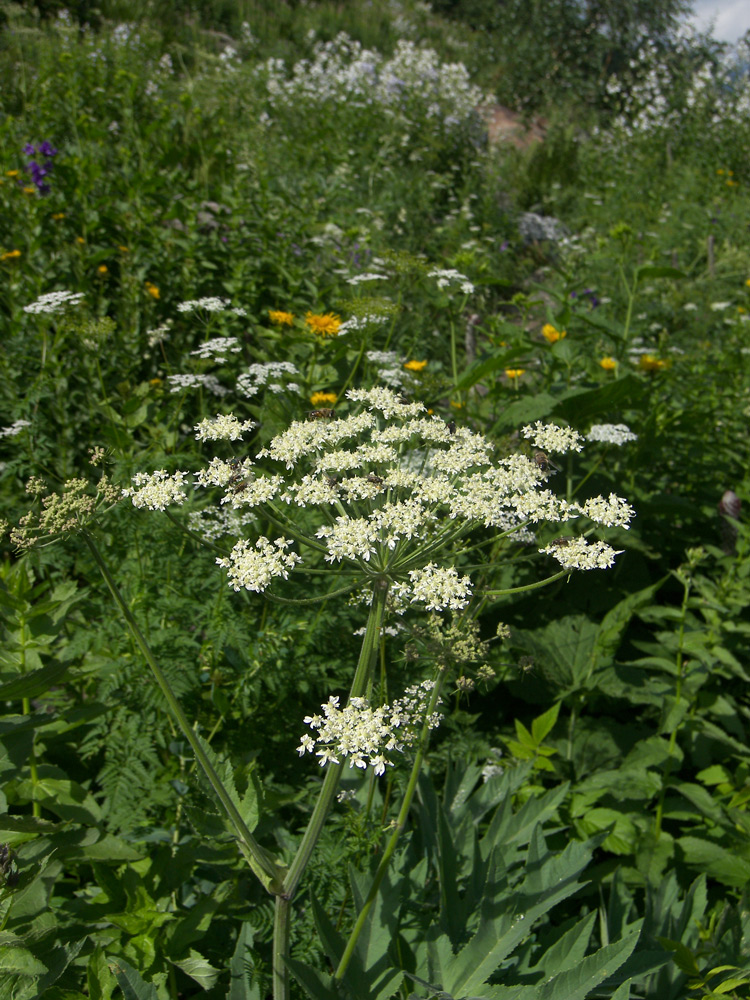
33, 684
131, 982
239, 983
199, 969
576, 983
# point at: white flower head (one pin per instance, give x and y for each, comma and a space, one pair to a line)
54, 302
223, 427
550, 437
158, 490
209, 304
577, 553
617, 434
217, 349
255, 568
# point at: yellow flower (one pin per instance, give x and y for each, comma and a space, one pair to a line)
720, 172
29, 190
741, 310
102, 269
731, 183
152, 290
80, 240
123, 249
280, 318
650, 363
415, 366
12, 173
608, 364
514, 372
456, 405
324, 325
10, 255
318, 398
551, 335
58, 215
155, 382
748, 282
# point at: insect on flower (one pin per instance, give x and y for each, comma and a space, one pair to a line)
238, 480
544, 463
376, 480
324, 414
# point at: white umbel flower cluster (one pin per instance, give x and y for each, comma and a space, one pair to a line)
387, 491
217, 349
449, 277
553, 438
54, 302
157, 490
577, 553
254, 568
618, 434
222, 427
364, 734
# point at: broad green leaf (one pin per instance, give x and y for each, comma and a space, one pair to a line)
130, 981
722, 864
568, 950
543, 724
316, 984
32, 684
649, 271
525, 411
582, 406
199, 969
590, 972
486, 367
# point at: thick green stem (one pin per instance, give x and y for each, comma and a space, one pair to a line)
528, 586
397, 831
367, 657
262, 864
281, 923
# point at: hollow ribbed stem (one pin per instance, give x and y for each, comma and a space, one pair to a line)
262, 864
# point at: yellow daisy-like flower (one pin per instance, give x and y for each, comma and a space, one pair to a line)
10, 255
80, 240
731, 183
154, 382
123, 249
748, 282
720, 172
551, 334
280, 318
514, 373
319, 398
102, 269
324, 325
58, 215
415, 366
608, 364
29, 190
152, 290
457, 405
12, 173
650, 363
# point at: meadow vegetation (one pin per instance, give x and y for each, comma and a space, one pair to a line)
375, 570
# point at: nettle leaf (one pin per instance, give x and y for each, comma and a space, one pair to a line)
248, 805
577, 982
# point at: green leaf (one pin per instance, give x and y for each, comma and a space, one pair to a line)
130, 981
33, 684
525, 411
578, 982
722, 864
199, 969
485, 367
543, 724
581, 406
240, 987
316, 984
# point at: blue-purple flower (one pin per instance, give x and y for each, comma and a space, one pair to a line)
39, 171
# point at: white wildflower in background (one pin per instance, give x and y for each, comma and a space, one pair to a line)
364, 734
159, 334
550, 437
251, 381
209, 304
356, 323
719, 306
254, 568
577, 553
617, 434
15, 428
358, 279
447, 277
188, 381
213, 523
158, 490
223, 427
217, 349
54, 302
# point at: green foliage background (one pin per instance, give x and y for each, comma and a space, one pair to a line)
619, 710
